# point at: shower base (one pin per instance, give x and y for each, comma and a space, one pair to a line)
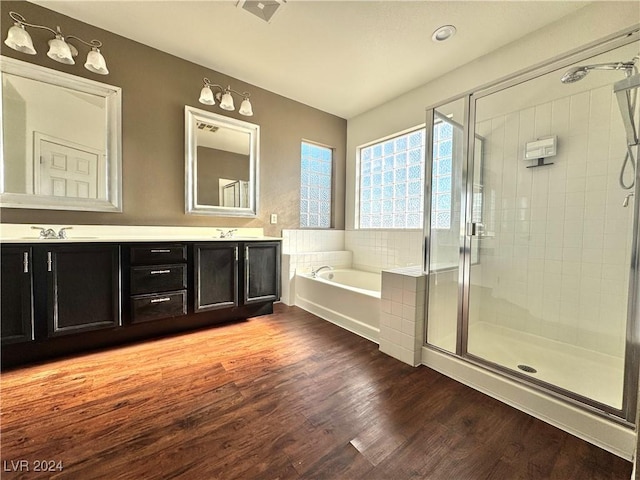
588, 373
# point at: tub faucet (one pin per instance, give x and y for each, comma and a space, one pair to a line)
625, 203
314, 273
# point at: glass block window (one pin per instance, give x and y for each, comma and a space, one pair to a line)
441, 175
316, 164
392, 182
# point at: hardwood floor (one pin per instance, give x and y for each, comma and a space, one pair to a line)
283, 396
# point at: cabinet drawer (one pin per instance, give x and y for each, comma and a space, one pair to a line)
158, 278
158, 254
153, 307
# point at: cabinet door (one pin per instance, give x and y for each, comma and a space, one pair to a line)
83, 288
215, 276
262, 272
16, 307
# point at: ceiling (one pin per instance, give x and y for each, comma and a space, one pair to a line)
340, 57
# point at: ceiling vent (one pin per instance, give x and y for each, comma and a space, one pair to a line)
264, 10
206, 127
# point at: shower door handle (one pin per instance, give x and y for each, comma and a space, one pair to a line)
475, 229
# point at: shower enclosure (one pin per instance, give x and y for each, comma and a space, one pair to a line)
535, 276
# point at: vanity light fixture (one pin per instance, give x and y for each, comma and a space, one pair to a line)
59, 49
225, 98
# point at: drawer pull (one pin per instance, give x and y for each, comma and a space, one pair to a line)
25, 262
160, 250
49, 262
159, 272
160, 300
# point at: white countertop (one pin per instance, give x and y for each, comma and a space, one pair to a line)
23, 233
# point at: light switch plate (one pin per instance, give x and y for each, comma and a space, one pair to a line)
274, 218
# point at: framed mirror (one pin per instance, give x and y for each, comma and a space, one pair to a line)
221, 164
61, 140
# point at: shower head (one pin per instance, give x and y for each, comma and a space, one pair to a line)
578, 73
574, 74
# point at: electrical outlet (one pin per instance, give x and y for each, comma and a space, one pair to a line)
274, 218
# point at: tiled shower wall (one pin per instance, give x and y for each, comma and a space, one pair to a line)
558, 263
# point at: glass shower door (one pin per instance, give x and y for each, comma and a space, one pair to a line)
445, 171
547, 297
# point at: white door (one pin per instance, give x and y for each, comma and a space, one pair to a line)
66, 171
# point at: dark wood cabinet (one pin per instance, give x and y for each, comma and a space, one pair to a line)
215, 267
63, 297
261, 272
16, 307
83, 287
158, 281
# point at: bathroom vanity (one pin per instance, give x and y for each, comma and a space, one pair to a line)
64, 296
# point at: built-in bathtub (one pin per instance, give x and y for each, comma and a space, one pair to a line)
348, 298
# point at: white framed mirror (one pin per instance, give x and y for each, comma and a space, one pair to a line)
61, 140
221, 164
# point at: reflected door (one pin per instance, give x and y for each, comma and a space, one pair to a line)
66, 171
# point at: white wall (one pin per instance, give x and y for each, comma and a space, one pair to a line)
589, 24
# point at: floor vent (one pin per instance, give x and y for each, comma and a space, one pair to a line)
527, 368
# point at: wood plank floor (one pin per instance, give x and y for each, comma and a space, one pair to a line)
283, 396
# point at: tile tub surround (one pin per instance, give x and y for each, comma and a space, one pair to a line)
402, 314
377, 250
306, 240
23, 233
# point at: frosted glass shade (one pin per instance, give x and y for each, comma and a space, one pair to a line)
206, 96
20, 40
95, 62
227, 102
245, 108
59, 51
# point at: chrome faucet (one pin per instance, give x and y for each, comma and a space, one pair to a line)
314, 273
46, 233
227, 234
625, 202
63, 232
50, 233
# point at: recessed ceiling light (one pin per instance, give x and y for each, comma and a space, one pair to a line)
443, 33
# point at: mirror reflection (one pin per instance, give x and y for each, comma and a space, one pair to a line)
221, 164
60, 140
46, 153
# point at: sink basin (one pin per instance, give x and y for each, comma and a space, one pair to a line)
239, 237
57, 239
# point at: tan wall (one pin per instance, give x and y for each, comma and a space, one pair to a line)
156, 87
214, 164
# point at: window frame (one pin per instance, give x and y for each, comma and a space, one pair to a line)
332, 149
358, 184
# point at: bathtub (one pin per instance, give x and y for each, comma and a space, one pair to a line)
348, 298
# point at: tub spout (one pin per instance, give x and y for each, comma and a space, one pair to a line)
314, 273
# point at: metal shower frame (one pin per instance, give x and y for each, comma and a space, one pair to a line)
627, 414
